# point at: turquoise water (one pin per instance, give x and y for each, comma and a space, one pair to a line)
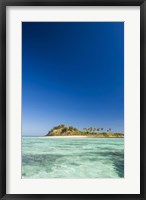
72, 157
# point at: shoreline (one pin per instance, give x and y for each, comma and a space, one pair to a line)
73, 136
69, 136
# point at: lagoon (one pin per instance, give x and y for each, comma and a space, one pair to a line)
72, 157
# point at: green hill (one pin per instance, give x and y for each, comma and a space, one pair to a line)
62, 130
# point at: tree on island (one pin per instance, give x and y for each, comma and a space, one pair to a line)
85, 129
94, 129
98, 129
90, 129
109, 130
64, 129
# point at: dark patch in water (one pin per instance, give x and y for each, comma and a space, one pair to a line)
117, 158
118, 161
75, 164
23, 174
43, 159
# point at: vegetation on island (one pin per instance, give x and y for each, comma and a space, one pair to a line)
62, 130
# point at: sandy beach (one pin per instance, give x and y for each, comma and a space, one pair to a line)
71, 136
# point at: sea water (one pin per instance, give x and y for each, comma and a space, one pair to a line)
72, 157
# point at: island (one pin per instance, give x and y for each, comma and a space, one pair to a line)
70, 131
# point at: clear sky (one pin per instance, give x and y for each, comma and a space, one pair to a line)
72, 74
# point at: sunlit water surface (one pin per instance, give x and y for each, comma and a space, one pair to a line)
72, 157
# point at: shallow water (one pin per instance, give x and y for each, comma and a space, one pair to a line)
72, 157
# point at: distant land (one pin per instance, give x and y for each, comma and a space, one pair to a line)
63, 130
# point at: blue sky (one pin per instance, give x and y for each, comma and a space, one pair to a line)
72, 74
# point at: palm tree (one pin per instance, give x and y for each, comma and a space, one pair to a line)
94, 129
98, 129
84, 129
90, 129
87, 130
109, 129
